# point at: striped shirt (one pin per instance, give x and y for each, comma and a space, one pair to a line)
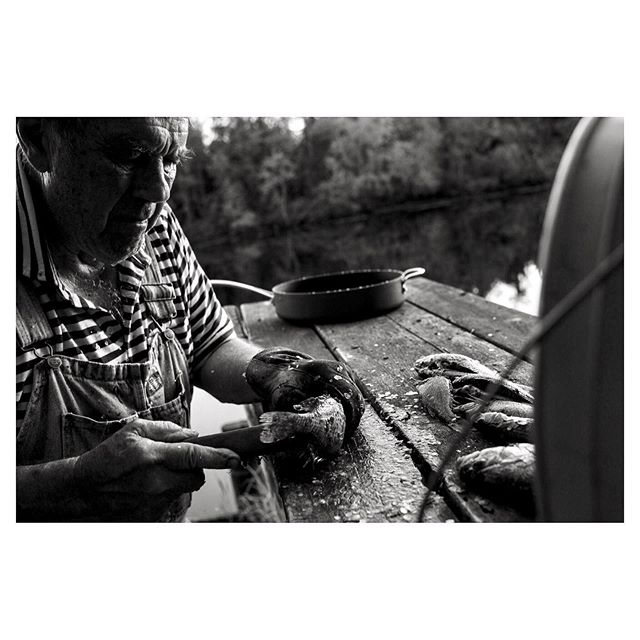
87, 332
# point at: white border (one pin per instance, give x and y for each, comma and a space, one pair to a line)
330, 58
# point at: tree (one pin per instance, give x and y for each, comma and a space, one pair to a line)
275, 175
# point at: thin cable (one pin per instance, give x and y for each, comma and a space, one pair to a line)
604, 269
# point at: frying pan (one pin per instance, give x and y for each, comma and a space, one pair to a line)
335, 297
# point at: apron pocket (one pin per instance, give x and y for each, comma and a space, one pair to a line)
175, 411
81, 434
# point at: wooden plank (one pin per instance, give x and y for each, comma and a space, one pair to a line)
373, 479
265, 328
447, 337
474, 507
505, 328
382, 351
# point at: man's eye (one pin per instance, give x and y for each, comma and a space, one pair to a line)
125, 157
172, 162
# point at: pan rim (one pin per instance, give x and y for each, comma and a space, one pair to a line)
277, 288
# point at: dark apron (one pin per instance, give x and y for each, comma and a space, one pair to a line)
76, 404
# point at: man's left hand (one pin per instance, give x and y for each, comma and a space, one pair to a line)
284, 377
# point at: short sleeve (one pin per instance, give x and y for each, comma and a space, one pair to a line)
209, 323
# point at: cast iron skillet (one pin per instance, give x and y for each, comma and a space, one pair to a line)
335, 297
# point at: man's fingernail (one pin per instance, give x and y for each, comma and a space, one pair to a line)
235, 463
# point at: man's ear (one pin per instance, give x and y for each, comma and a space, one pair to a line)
31, 135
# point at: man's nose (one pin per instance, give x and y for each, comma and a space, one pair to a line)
151, 183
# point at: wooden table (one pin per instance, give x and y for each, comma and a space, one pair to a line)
380, 475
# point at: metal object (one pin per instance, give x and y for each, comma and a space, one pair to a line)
579, 407
246, 442
336, 297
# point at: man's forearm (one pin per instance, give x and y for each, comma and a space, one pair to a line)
222, 374
48, 491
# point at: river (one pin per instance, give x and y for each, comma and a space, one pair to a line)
488, 247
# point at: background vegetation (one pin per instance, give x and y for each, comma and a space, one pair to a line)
257, 171
263, 201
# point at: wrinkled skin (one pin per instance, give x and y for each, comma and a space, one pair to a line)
104, 184
139, 471
99, 185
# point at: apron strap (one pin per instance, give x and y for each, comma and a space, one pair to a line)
157, 293
32, 325
153, 273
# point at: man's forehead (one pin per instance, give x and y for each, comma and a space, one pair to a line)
150, 128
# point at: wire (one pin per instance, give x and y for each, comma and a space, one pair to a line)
604, 269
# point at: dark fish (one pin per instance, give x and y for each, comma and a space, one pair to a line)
503, 428
288, 377
451, 365
436, 398
505, 474
471, 386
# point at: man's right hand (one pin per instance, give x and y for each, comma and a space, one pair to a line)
135, 474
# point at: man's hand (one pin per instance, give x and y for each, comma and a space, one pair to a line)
284, 377
135, 474
146, 466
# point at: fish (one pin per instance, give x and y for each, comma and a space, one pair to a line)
510, 407
435, 396
451, 365
320, 419
472, 386
287, 377
505, 473
504, 428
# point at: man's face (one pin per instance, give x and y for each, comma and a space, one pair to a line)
108, 182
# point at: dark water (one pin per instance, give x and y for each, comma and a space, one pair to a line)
471, 246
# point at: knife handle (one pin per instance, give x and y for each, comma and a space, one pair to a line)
246, 442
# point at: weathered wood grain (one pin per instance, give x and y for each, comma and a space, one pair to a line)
447, 337
503, 327
396, 430
382, 354
382, 351
472, 507
373, 478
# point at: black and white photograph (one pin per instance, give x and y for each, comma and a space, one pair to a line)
397, 306
324, 323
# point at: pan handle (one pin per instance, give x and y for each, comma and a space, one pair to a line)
242, 285
414, 272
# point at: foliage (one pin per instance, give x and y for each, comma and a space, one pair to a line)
256, 172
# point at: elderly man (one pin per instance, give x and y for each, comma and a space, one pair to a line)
115, 321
